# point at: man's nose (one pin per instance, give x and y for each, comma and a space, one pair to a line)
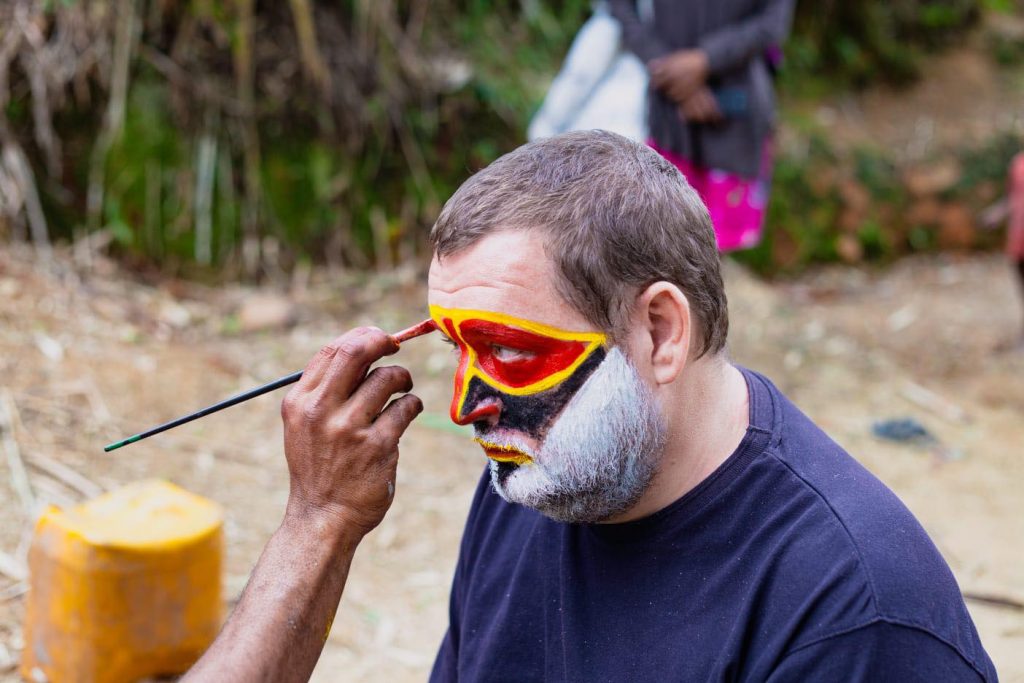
476, 409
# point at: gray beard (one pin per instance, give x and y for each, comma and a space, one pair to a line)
599, 456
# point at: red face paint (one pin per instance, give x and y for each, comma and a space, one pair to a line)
540, 356
514, 356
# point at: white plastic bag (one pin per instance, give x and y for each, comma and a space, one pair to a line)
600, 85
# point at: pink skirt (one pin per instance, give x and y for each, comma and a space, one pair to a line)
737, 205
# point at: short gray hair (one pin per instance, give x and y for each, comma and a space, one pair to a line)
615, 215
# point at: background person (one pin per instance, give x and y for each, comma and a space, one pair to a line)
712, 104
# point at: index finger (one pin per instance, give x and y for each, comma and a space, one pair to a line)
318, 364
352, 358
318, 367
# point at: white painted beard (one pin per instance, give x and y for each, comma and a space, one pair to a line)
599, 456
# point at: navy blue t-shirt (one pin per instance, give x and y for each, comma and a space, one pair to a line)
789, 563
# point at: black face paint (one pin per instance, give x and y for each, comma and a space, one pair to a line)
532, 414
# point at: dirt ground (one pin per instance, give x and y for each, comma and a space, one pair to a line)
87, 357
961, 99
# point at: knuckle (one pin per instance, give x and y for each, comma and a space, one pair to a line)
374, 381
287, 405
393, 375
351, 335
353, 349
373, 333
377, 338
313, 410
375, 440
344, 424
376, 378
328, 350
364, 342
387, 437
410, 403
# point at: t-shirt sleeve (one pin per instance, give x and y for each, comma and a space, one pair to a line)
880, 651
736, 44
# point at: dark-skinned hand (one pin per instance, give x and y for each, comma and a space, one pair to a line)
701, 107
341, 434
679, 74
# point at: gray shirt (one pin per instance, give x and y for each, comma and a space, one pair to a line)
735, 35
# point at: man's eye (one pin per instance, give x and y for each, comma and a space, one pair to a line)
450, 342
507, 354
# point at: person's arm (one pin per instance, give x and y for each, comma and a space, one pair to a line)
736, 44
881, 651
637, 35
341, 443
683, 73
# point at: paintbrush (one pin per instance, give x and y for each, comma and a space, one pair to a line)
418, 330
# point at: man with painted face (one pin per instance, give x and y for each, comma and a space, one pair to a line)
661, 514
649, 511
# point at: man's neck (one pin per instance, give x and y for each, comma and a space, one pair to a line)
707, 414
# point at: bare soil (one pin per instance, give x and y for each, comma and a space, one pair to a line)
87, 357
961, 98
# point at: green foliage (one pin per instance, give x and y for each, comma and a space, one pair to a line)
801, 214
340, 146
989, 162
149, 179
1000, 6
857, 42
1006, 51
856, 206
310, 128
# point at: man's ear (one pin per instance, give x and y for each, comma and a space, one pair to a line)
662, 315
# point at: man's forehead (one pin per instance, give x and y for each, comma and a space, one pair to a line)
506, 273
508, 256
450, 276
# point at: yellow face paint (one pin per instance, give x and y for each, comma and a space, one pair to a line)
512, 356
504, 453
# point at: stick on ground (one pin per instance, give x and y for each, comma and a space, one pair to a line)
16, 466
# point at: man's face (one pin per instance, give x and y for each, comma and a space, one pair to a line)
568, 425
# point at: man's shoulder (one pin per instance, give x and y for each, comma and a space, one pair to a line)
904, 577
889, 542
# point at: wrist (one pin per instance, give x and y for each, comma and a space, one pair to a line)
322, 527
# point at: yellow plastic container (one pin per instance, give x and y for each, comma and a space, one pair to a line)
125, 586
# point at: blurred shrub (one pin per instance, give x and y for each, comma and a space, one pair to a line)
857, 42
244, 136
863, 206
